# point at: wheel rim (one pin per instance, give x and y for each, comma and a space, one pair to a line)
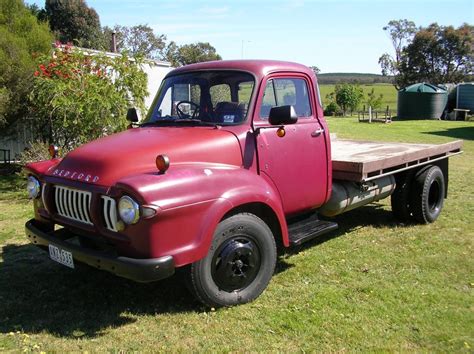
434, 196
236, 264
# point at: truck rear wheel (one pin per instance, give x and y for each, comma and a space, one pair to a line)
239, 264
427, 195
400, 198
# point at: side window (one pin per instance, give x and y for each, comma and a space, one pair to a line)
268, 101
282, 92
245, 91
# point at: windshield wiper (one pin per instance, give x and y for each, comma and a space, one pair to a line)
183, 121
165, 120
196, 122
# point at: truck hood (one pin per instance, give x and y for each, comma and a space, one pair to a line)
106, 160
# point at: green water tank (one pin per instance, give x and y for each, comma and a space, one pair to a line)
421, 101
465, 96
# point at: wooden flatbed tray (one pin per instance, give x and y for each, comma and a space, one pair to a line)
361, 161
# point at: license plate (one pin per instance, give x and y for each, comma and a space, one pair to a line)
61, 256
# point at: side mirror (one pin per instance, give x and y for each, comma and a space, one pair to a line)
132, 115
282, 115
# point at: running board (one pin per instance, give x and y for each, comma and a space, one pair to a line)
308, 228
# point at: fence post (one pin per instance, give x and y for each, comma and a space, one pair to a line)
370, 114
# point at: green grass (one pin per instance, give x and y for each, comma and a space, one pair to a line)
372, 285
387, 90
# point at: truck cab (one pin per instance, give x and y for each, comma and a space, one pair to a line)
230, 153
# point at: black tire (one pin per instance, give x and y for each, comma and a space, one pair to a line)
400, 198
427, 195
239, 264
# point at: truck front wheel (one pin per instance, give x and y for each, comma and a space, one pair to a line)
239, 264
427, 196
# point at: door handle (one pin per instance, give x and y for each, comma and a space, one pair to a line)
317, 132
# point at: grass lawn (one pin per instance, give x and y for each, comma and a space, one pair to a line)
372, 285
387, 90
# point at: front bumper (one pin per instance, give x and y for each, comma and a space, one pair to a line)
141, 270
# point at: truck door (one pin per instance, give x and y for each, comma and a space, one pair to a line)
296, 163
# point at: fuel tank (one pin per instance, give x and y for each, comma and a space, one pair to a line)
350, 195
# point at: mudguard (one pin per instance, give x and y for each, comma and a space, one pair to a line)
191, 200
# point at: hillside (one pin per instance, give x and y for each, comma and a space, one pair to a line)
359, 78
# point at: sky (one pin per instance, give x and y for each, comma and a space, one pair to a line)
335, 36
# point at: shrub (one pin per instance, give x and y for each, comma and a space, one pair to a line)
79, 96
36, 151
332, 109
373, 100
348, 96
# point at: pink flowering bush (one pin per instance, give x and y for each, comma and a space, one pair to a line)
81, 95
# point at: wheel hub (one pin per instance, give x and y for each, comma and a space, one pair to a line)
236, 264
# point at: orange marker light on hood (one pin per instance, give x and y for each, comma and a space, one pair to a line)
162, 163
53, 151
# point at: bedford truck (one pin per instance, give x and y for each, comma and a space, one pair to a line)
233, 159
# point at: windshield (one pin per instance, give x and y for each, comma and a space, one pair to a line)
203, 97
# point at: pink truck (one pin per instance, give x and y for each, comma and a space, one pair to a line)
233, 159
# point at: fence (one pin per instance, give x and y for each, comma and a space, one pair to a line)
375, 116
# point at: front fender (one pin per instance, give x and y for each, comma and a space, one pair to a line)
191, 201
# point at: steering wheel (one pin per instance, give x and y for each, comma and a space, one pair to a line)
183, 115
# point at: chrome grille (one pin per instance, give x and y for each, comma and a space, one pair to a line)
110, 213
73, 204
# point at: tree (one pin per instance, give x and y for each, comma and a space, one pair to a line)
348, 96
39, 13
21, 37
401, 33
373, 100
138, 40
73, 21
438, 54
172, 54
79, 96
190, 53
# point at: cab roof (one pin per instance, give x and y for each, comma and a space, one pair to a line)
259, 68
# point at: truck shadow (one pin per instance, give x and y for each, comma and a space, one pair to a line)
38, 295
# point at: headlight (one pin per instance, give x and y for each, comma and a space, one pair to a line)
129, 210
33, 187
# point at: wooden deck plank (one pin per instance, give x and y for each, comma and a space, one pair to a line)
355, 160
